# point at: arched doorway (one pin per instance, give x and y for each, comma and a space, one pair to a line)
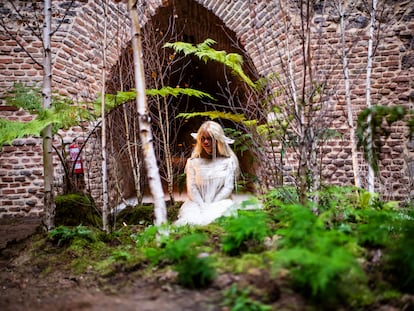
185, 21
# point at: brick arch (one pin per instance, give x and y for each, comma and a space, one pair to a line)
257, 27
187, 21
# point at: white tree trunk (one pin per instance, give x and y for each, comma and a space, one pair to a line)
371, 179
105, 202
150, 160
354, 155
49, 200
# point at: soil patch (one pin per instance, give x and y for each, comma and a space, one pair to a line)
23, 287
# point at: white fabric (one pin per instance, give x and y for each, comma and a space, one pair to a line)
210, 185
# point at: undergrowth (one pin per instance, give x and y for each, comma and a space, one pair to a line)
352, 251
237, 299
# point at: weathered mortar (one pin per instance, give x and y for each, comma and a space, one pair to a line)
258, 25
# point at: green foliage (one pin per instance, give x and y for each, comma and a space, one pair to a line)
321, 262
66, 113
112, 101
377, 228
242, 141
281, 195
147, 237
246, 230
194, 269
176, 91
121, 255
11, 130
144, 214
63, 235
400, 257
239, 300
237, 118
62, 114
28, 98
359, 213
382, 117
204, 51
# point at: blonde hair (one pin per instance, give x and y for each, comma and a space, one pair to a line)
220, 143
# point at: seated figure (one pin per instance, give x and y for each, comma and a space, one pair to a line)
212, 171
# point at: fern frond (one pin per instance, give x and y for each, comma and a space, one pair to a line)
112, 101
186, 48
11, 130
204, 52
237, 118
176, 91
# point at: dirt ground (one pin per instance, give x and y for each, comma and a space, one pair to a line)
22, 287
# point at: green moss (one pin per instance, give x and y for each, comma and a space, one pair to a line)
144, 214
239, 265
76, 209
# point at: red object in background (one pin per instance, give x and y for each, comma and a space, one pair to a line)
74, 151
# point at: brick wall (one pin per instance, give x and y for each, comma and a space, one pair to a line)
77, 54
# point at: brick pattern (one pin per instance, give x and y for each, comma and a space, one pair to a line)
258, 25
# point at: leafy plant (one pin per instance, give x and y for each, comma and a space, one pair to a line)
204, 52
195, 269
63, 235
400, 257
322, 263
62, 114
239, 300
247, 228
122, 97
236, 118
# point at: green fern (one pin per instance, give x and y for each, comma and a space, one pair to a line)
194, 271
120, 98
62, 114
400, 256
322, 263
248, 229
63, 235
204, 52
239, 300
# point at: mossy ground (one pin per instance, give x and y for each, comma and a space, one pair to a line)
83, 268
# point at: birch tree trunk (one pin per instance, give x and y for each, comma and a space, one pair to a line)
105, 213
371, 179
144, 120
49, 201
354, 155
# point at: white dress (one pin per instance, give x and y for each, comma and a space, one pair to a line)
210, 185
